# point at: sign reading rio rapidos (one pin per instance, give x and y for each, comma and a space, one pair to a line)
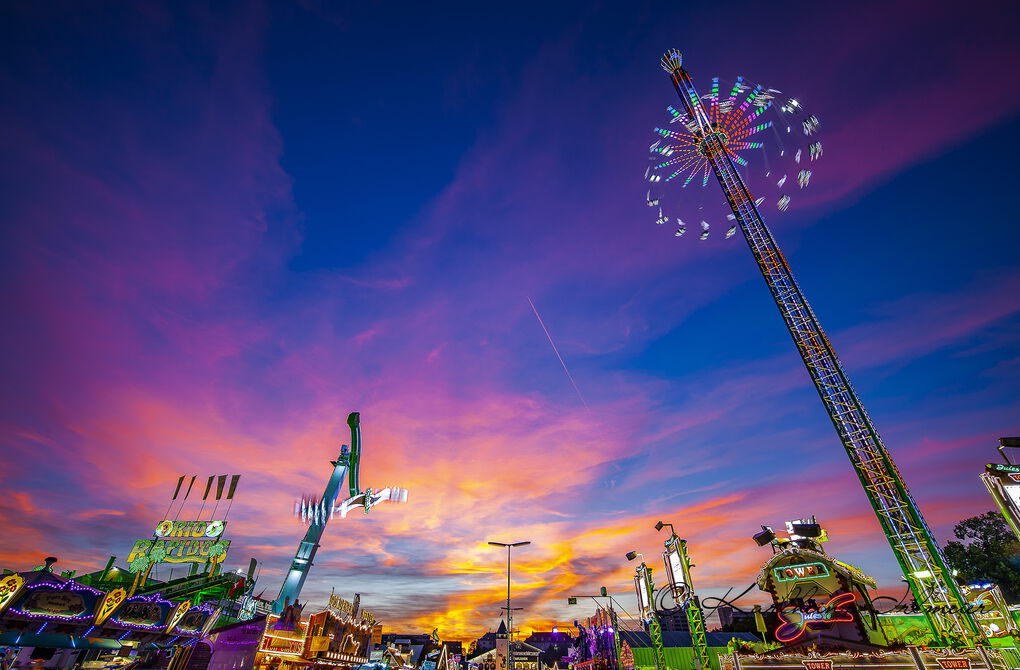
184, 542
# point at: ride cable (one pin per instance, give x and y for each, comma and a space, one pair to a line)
919, 556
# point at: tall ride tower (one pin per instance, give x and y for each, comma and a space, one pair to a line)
919, 556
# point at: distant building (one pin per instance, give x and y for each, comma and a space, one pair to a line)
675, 622
545, 639
737, 621
485, 643
525, 656
554, 645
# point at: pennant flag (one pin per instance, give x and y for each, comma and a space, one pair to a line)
178, 489
190, 484
233, 486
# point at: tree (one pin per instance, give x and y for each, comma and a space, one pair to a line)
988, 552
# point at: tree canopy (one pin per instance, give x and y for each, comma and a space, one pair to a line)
987, 551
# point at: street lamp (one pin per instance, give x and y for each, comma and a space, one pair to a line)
509, 612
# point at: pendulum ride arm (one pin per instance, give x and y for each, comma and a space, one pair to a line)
912, 542
354, 421
346, 462
654, 628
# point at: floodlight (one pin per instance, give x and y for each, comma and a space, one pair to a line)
659, 525
631, 555
764, 537
807, 529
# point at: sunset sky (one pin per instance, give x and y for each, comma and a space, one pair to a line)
224, 228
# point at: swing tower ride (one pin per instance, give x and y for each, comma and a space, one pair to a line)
920, 558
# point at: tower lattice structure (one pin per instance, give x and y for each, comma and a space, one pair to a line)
913, 543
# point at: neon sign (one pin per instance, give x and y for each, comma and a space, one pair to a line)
10, 588
954, 663
792, 573
819, 664
796, 620
345, 608
177, 614
184, 542
169, 528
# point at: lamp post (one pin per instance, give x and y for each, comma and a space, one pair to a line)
509, 612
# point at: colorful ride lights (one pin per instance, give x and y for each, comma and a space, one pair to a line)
807, 533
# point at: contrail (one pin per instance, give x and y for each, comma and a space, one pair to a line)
557, 352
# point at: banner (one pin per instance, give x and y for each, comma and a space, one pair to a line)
108, 605
176, 616
10, 588
184, 542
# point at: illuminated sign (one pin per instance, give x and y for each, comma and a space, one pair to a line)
792, 573
193, 620
110, 602
211, 621
140, 613
345, 608
176, 616
796, 620
174, 529
989, 609
65, 604
10, 588
954, 663
821, 664
184, 542
1003, 483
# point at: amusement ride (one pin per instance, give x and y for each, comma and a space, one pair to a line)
714, 135
317, 512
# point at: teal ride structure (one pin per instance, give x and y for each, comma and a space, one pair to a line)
700, 139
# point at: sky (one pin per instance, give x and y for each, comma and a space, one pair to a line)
226, 226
